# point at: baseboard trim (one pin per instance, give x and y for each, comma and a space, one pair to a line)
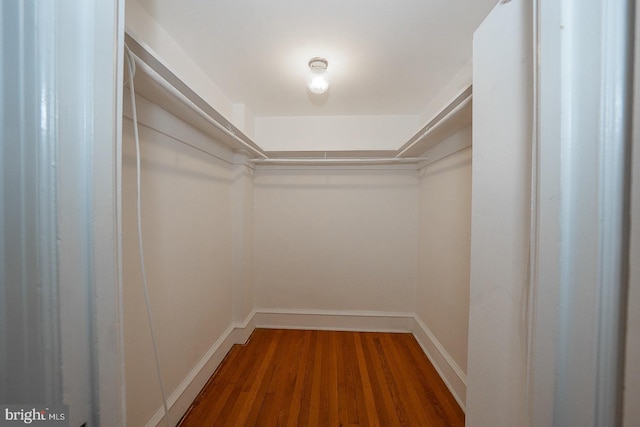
361, 321
370, 321
183, 396
452, 375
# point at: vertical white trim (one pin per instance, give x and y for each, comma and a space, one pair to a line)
545, 257
579, 268
87, 43
30, 365
106, 164
615, 148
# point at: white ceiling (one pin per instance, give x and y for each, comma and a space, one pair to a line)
385, 57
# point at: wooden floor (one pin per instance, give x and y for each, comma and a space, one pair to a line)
323, 378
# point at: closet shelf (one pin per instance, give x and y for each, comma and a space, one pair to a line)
157, 83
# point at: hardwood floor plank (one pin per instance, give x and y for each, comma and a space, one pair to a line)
430, 387
325, 382
357, 388
314, 400
300, 376
384, 384
305, 392
282, 378
325, 378
254, 408
369, 399
420, 413
334, 401
260, 381
347, 381
392, 382
240, 379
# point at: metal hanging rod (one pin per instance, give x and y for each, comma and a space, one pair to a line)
339, 160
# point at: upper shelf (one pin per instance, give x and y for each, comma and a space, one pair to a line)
160, 85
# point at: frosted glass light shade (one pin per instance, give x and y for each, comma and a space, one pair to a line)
317, 80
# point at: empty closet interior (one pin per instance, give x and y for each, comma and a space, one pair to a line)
340, 211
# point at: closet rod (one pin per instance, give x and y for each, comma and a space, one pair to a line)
432, 128
168, 87
323, 160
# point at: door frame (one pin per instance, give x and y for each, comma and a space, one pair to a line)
580, 211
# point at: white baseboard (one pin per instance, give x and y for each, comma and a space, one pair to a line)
448, 369
334, 320
183, 396
365, 321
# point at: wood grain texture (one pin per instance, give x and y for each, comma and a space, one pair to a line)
325, 378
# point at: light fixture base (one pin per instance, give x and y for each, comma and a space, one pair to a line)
318, 62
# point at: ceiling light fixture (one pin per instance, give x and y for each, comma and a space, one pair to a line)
318, 81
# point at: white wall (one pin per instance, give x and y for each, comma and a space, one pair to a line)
329, 133
223, 240
336, 239
500, 221
442, 297
187, 226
